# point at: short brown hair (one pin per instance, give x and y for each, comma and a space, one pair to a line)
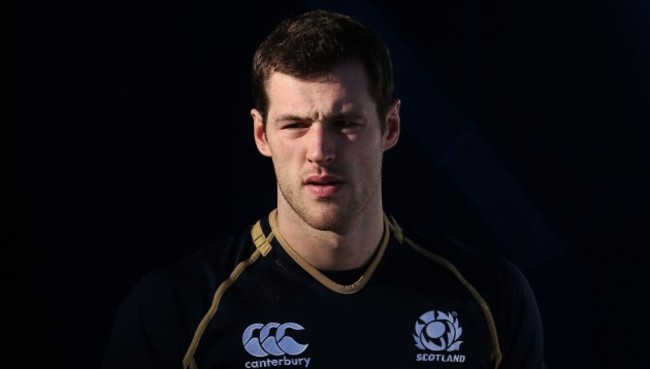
311, 44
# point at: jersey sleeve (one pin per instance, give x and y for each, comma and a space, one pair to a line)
146, 329
519, 325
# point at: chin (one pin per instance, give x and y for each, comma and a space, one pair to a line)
328, 219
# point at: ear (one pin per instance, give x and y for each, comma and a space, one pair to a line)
259, 133
392, 122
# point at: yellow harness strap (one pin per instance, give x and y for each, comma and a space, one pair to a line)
262, 242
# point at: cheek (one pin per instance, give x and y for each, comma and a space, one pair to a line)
285, 151
360, 165
371, 150
284, 158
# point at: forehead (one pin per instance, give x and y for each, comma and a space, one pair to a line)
343, 88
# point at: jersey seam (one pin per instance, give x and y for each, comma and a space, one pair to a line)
188, 359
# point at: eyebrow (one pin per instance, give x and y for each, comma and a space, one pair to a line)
335, 116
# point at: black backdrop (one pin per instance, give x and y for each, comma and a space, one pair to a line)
126, 143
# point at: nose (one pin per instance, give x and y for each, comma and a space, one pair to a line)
321, 145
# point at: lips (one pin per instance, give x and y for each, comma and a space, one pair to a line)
322, 180
323, 185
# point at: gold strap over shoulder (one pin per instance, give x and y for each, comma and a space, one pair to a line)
397, 230
262, 242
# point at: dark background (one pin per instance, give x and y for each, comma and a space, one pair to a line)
127, 143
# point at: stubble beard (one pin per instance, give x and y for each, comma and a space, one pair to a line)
331, 215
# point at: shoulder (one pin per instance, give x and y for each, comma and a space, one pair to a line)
499, 281
504, 288
475, 264
183, 288
201, 271
156, 321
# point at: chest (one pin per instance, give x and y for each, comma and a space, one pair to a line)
284, 319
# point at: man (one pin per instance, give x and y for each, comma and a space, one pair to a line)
328, 279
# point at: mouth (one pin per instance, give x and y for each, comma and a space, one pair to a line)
323, 186
325, 180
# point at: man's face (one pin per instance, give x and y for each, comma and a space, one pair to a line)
326, 143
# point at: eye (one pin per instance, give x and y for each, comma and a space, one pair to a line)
294, 125
344, 123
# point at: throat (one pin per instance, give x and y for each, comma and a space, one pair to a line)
349, 276
345, 277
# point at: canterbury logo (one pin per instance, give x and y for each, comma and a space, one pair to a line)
438, 331
262, 340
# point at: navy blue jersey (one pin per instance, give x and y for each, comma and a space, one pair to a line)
251, 301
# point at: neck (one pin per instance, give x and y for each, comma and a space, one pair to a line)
333, 250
